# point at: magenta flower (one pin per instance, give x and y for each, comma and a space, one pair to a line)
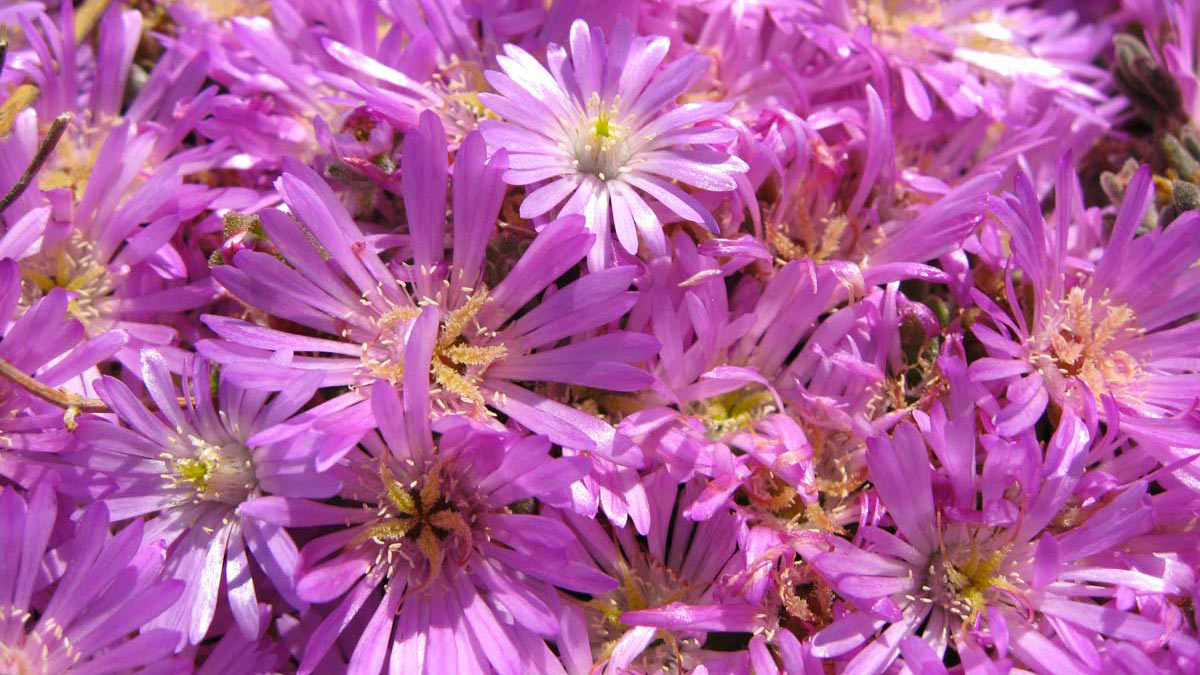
1113, 337
971, 581
603, 130
191, 467
462, 576
72, 608
365, 309
965, 57
678, 562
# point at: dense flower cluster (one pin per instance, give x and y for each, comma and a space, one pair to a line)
599, 336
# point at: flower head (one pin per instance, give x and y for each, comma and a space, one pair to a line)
190, 468
440, 533
679, 562
368, 310
986, 584
602, 130
1106, 338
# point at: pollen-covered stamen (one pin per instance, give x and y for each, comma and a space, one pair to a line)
430, 522
766, 491
459, 83
1085, 343
895, 17
71, 266
222, 10
602, 143
892, 22
457, 366
383, 356
214, 473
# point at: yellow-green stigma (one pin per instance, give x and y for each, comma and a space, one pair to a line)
735, 411
963, 588
600, 146
600, 127
216, 473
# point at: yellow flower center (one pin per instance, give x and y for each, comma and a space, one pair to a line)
965, 588
71, 266
735, 411
457, 366
426, 519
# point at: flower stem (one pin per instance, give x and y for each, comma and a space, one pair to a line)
73, 403
39, 158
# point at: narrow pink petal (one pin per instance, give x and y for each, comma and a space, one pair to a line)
631, 644
243, 601
547, 196
373, 642
916, 95
844, 634
491, 636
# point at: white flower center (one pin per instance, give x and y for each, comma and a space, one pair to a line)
601, 145
216, 473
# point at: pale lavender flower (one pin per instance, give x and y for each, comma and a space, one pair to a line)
966, 57
192, 466
73, 607
603, 129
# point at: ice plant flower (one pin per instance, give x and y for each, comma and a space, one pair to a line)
102, 589
1121, 327
985, 580
603, 129
680, 561
190, 467
365, 309
463, 572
